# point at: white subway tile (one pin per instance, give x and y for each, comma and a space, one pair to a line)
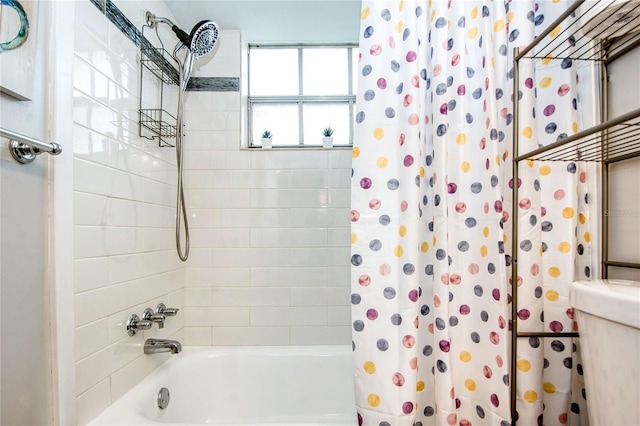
282, 198
249, 257
101, 177
311, 217
260, 178
91, 338
218, 316
95, 304
222, 238
124, 213
89, 209
93, 115
213, 120
198, 296
281, 316
132, 373
89, 274
335, 256
231, 276
339, 237
246, 218
250, 336
311, 178
196, 140
198, 258
98, 366
196, 276
217, 198
288, 276
309, 296
158, 239
90, 146
94, 401
197, 336
339, 197
198, 101
127, 267
339, 296
288, 237
291, 159
126, 185
198, 179
334, 335
339, 315
340, 159
233, 296
339, 276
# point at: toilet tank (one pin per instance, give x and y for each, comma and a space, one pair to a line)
608, 316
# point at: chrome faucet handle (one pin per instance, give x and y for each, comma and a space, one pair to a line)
135, 324
158, 318
170, 312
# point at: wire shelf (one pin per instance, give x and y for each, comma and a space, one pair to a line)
159, 122
155, 61
590, 31
614, 140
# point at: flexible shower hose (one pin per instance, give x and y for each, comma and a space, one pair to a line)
181, 210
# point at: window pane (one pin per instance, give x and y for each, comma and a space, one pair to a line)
280, 119
317, 116
355, 54
324, 71
273, 72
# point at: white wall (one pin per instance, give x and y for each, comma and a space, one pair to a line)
270, 235
624, 177
25, 366
124, 193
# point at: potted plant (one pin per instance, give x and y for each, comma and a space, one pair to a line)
266, 139
327, 140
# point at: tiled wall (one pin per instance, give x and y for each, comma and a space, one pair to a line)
124, 190
269, 261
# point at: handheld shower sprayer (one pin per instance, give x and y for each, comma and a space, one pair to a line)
202, 39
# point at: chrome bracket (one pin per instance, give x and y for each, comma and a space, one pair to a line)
24, 153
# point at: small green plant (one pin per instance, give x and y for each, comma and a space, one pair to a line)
267, 134
327, 132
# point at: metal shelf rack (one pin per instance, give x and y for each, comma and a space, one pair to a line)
160, 123
615, 139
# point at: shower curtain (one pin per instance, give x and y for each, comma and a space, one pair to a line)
431, 217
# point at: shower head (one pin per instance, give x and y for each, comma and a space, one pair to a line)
202, 39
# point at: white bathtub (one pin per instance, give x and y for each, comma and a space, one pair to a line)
277, 385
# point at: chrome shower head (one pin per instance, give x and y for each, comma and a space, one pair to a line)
202, 39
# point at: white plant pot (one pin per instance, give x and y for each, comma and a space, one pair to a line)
267, 143
327, 142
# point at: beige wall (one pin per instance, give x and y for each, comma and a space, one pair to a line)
624, 177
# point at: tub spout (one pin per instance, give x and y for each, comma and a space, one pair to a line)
154, 346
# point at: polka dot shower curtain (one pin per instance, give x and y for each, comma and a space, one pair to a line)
430, 218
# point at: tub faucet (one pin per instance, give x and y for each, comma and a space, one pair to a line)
155, 346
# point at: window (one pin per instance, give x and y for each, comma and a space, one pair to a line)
295, 91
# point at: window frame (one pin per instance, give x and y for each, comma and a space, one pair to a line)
300, 100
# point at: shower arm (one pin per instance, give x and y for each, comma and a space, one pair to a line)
153, 20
